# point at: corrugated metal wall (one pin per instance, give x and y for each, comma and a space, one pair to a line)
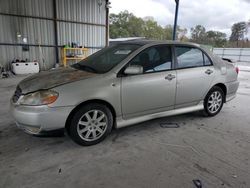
27, 7
73, 18
84, 11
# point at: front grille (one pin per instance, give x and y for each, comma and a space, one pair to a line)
17, 94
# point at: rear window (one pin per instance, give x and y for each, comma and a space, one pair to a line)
206, 60
189, 57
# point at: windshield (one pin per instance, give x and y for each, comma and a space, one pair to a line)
107, 58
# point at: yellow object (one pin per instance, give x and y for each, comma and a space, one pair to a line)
84, 52
49, 99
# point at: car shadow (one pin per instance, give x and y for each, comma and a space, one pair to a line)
60, 139
170, 122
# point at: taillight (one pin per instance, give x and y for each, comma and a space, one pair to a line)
237, 70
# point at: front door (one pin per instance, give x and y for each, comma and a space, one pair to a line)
154, 90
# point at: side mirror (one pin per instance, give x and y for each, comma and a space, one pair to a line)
133, 70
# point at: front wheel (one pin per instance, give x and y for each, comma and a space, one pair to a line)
213, 102
91, 124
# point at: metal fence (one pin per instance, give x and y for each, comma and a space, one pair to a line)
237, 54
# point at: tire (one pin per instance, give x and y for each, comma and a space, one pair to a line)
213, 102
91, 124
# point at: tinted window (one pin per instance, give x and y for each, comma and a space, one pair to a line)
189, 57
154, 59
206, 60
107, 58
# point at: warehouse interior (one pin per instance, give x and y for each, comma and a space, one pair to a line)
37, 31
40, 39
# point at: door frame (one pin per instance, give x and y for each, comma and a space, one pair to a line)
120, 74
191, 67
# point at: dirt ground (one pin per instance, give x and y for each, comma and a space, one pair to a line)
214, 150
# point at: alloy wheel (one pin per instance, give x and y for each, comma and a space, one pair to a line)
92, 125
214, 102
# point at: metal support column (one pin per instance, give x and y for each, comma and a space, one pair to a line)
55, 31
107, 6
175, 19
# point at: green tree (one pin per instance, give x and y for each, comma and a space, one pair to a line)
213, 38
182, 32
152, 30
238, 31
238, 36
126, 24
168, 32
198, 34
216, 38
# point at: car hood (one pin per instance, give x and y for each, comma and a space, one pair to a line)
53, 78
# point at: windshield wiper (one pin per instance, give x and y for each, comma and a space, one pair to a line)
84, 67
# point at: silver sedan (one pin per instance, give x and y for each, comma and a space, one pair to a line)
121, 85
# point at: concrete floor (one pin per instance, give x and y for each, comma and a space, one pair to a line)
215, 150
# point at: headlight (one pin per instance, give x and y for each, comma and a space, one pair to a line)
42, 97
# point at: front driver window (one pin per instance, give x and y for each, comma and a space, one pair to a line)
154, 59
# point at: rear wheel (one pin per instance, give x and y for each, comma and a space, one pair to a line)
91, 124
213, 102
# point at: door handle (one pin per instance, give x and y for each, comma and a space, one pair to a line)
208, 71
170, 77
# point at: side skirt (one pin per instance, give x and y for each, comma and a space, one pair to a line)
124, 123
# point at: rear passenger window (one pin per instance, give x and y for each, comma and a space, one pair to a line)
206, 60
189, 57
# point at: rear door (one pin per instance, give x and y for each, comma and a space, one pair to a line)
154, 90
195, 73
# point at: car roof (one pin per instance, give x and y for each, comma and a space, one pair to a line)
145, 42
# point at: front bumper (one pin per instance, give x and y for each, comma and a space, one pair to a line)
36, 119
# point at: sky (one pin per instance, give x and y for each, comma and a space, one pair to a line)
213, 14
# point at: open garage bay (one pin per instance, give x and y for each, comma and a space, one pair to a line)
167, 152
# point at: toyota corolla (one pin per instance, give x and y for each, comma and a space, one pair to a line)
121, 85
